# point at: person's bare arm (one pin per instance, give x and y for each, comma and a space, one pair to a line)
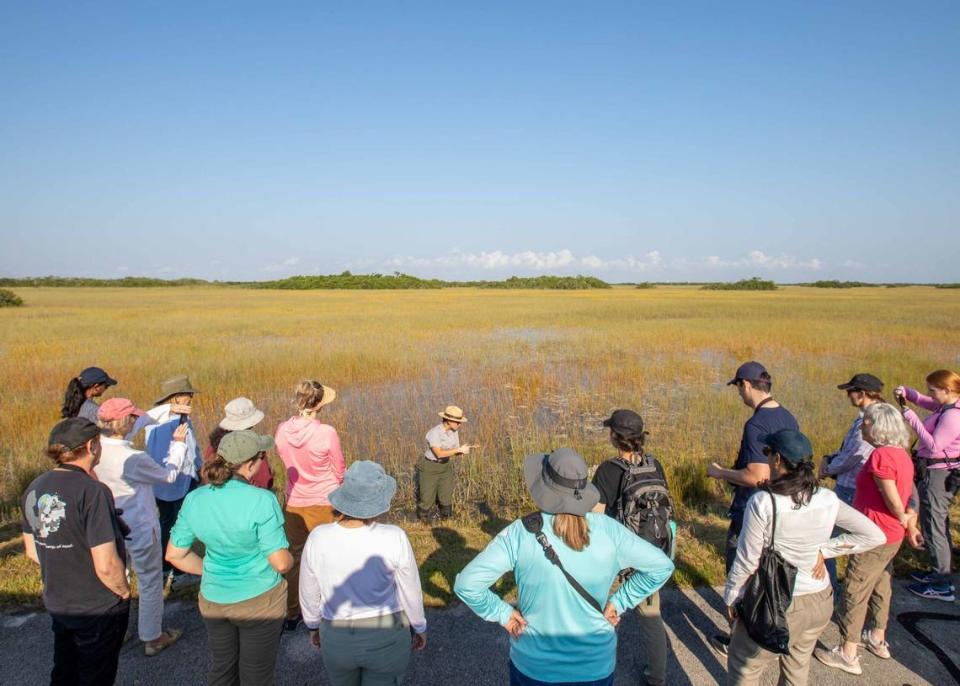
599, 507
184, 559
110, 568
441, 453
888, 491
750, 476
30, 548
281, 561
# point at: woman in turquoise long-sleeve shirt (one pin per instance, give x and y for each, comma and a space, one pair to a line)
557, 637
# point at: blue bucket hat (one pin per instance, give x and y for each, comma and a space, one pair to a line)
366, 491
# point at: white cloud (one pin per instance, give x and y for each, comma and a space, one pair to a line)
754, 259
466, 265
283, 266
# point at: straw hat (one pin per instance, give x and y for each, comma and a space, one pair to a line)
453, 414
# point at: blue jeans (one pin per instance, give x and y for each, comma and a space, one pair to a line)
846, 495
518, 678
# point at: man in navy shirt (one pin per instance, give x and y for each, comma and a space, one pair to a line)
754, 384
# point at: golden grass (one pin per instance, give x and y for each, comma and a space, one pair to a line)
533, 370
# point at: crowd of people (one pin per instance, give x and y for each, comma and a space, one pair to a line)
321, 558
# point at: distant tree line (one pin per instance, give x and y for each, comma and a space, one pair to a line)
752, 284
344, 280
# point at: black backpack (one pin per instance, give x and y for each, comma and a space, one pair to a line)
644, 505
767, 595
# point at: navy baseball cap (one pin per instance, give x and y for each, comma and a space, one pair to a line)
94, 375
626, 423
862, 382
791, 445
749, 371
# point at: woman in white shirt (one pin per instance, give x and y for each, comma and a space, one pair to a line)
806, 515
359, 585
131, 474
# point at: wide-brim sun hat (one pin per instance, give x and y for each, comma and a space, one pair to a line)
559, 482
240, 413
178, 385
366, 491
453, 414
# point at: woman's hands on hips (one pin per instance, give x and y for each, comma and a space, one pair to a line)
516, 625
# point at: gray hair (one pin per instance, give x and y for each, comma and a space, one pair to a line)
113, 427
886, 426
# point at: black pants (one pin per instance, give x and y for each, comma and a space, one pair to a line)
86, 651
168, 511
733, 538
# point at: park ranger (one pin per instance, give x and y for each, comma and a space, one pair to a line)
436, 472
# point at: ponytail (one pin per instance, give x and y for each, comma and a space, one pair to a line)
218, 471
800, 482
572, 529
73, 398
632, 444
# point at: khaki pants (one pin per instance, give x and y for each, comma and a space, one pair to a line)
243, 638
867, 587
436, 485
807, 617
655, 636
298, 522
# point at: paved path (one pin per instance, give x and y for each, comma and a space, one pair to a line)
465, 650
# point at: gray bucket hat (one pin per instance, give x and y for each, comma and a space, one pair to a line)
558, 482
240, 413
178, 385
366, 491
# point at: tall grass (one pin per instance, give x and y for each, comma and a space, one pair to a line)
533, 370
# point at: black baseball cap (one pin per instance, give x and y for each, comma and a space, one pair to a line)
627, 423
749, 371
862, 382
791, 445
73, 433
94, 375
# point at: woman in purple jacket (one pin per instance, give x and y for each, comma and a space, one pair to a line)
938, 471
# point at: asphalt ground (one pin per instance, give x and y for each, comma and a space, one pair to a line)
465, 650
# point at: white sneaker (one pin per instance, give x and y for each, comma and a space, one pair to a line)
879, 648
834, 658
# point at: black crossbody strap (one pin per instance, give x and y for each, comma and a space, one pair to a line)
534, 524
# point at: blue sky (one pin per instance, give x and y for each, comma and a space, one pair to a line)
629, 140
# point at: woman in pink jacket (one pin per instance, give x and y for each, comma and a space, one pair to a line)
938, 475
311, 452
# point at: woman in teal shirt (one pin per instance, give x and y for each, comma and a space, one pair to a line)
242, 591
557, 636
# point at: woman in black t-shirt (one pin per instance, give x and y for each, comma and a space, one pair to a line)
623, 482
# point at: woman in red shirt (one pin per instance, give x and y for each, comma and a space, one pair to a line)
884, 486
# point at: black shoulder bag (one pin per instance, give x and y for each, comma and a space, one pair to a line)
534, 524
767, 595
